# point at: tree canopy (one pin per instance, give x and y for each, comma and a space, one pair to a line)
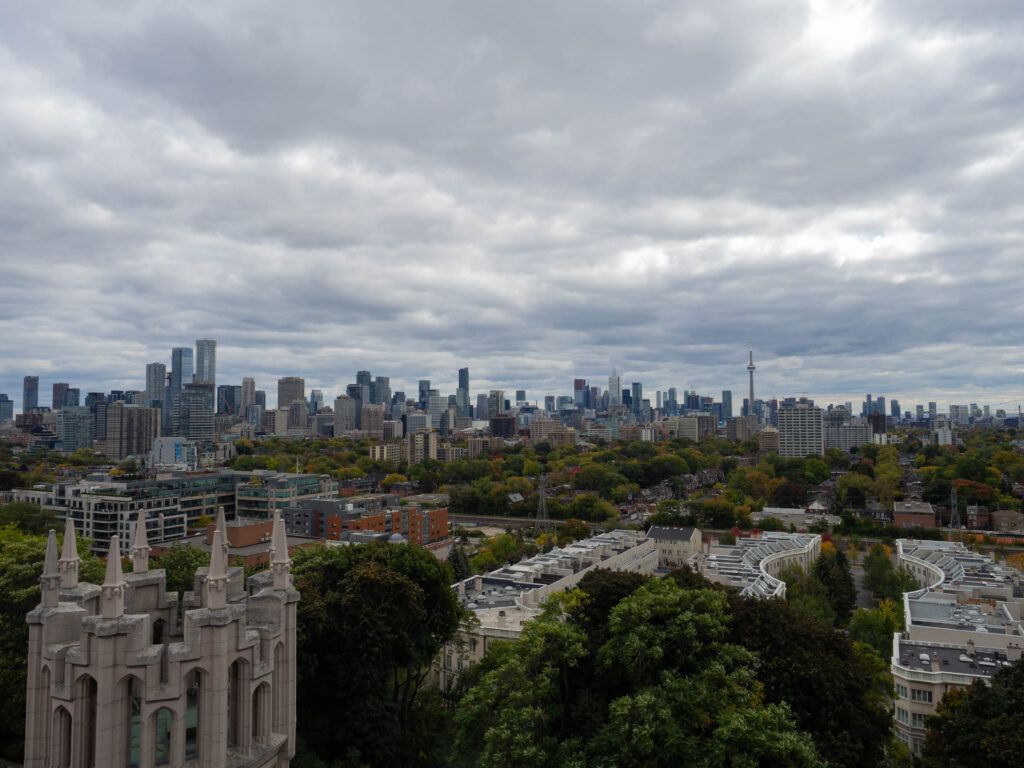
664, 688
371, 621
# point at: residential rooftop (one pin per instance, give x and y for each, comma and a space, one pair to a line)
932, 657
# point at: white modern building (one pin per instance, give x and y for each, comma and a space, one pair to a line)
505, 599
801, 432
963, 625
752, 565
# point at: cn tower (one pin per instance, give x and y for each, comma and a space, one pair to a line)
750, 370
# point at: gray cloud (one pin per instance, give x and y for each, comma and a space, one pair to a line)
537, 191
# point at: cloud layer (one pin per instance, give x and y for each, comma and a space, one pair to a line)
534, 190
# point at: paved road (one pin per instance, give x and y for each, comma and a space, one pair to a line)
863, 596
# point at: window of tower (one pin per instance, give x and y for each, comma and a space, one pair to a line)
162, 741
133, 702
192, 682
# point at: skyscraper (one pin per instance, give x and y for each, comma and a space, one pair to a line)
636, 396
726, 403
424, 394
316, 401
30, 394
614, 389
59, 389
206, 361
495, 403
462, 393
290, 389
229, 400
382, 390
248, 394
181, 370
6, 408
156, 383
345, 414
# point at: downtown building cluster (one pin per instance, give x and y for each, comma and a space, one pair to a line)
184, 417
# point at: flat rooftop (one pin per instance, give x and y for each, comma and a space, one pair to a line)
985, 662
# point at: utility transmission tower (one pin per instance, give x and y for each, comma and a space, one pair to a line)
954, 514
543, 521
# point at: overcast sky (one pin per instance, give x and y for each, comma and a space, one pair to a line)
538, 190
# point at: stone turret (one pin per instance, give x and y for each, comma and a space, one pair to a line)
140, 547
112, 596
216, 584
50, 581
280, 562
69, 559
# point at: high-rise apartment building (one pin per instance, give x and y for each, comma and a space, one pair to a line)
462, 393
98, 407
495, 403
6, 408
75, 428
801, 431
29, 394
130, 430
193, 412
156, 383
248, 394
345, 414
422, 445
290, 389
181, 369
59, 388
206, 361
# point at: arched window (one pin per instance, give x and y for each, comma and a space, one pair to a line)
86, 696
60, 746
192, 714
237, 699
162, 722
261, 714
42, 711
133, 717
278, 692
158, 632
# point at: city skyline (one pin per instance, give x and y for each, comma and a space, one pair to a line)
534, 192
270, 383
